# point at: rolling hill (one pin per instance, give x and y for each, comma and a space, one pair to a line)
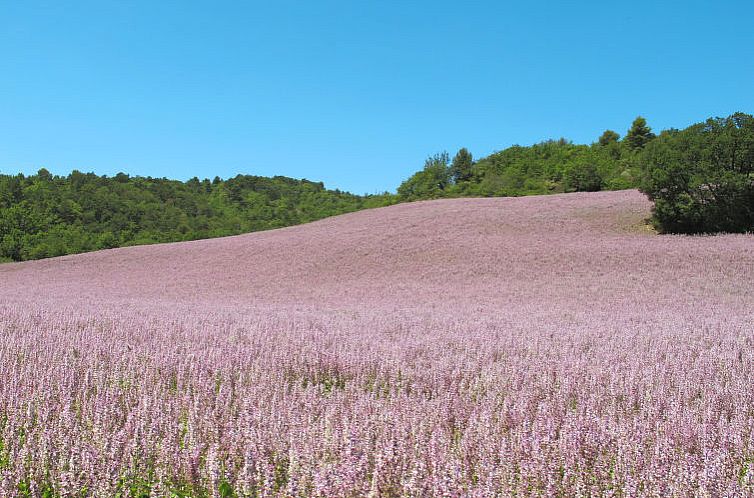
475, 347
486, 252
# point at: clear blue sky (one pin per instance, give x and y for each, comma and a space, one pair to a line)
352, 93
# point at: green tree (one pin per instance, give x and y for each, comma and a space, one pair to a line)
583, 177
44, 175
701, 179
461, 167
44, 215
439, 170
429, 183
608, 137
639, 134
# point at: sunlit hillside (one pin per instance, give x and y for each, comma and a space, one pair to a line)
550, 345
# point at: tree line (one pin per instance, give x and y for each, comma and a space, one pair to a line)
701, 180
44, 215
552, 166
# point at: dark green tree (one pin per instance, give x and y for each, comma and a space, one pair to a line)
583, 177
44, 175
44, 215
429, 183
461, 167
639, 134
701, 179
608, 137
438, 168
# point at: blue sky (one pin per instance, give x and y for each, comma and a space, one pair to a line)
352, 93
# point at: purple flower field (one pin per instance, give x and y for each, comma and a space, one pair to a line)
535, 346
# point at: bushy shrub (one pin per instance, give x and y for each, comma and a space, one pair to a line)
701, 179
583, 177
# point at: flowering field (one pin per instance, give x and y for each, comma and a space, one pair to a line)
549, 346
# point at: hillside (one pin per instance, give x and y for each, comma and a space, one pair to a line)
486, 252
475, 347
44, 215
700, 178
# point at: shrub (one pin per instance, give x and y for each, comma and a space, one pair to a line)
583, 177
701, 179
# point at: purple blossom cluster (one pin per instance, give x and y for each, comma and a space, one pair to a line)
544, 346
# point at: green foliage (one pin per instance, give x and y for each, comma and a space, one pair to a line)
44, 215
610, 144
582, 177
548, 167
461, 167
701, 179
639, 134
552, 166
430, 183
608, 137
226, 490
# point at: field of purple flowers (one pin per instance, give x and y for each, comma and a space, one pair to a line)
538, 346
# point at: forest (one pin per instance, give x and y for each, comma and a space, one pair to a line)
44, 215
701, 180
551, 166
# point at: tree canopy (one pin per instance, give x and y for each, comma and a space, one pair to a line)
551, 166
701, 179
461, 167
44, 215
639, 134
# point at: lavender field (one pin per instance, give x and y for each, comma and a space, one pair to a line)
536, 346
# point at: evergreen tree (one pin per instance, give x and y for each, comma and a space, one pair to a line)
639, 134
608, 137
460, 168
